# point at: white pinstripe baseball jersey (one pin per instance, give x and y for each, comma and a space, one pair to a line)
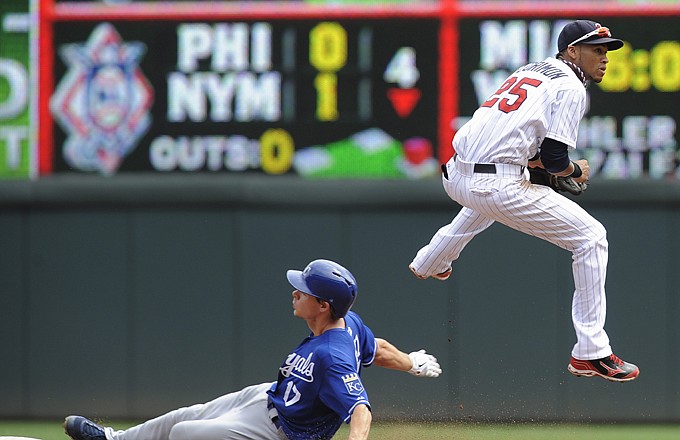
539, 100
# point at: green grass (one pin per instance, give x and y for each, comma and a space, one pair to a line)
52, 430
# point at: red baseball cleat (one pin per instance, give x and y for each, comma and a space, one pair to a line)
611, 368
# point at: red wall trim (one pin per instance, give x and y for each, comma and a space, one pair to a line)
46, 87
448, 78
231, 11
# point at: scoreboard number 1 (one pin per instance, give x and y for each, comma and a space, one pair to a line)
326, 85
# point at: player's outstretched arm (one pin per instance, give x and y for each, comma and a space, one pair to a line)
360, 423
418, 363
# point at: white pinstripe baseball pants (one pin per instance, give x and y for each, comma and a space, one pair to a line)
509, 198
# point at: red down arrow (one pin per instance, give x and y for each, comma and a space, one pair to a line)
403, 100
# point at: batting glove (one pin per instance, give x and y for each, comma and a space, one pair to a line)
424, 365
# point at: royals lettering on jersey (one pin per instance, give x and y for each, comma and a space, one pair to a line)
319, 383
299, 366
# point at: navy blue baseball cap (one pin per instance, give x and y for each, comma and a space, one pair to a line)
586, 32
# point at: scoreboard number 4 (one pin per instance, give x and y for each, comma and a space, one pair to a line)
402, 68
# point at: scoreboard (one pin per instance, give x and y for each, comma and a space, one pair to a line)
370, 90
320, 98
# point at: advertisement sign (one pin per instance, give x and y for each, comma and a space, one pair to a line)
320, 99
630, 128
17, 91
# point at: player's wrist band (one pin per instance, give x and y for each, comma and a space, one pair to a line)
577, 171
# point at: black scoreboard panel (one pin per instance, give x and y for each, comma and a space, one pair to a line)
347, 97
630, 128
352, 98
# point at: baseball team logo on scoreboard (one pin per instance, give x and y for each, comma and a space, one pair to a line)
103, 102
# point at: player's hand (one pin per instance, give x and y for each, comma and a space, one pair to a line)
424, 364
585, 169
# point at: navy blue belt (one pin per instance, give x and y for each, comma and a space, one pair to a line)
483, 168
273, 415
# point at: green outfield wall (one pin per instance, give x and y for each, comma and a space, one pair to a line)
130, 296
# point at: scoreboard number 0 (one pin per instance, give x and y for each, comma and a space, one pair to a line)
277, 149
328, 47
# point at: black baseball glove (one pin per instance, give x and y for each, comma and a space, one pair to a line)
560, 184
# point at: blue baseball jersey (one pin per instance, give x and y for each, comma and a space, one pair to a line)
319, 385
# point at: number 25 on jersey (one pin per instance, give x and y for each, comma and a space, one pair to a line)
512, 94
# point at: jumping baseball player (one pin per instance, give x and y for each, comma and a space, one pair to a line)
532, 120
318, 387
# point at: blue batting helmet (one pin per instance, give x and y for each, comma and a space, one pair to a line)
329, 281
